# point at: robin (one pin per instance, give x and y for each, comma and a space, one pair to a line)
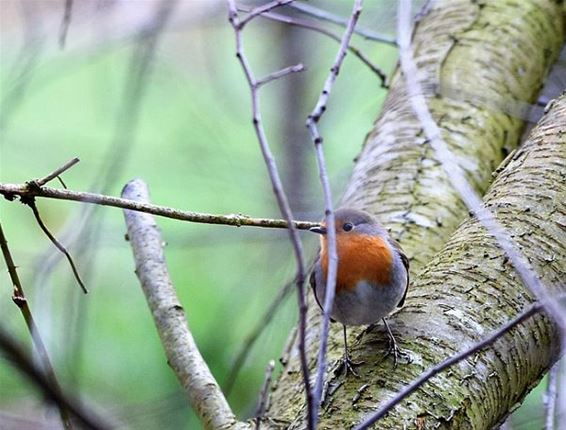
372, 277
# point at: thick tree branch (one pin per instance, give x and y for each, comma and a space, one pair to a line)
182, 352
455, 172
426, 376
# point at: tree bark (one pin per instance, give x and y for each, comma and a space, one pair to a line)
492, 53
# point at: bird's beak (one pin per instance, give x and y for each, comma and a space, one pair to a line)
320, 230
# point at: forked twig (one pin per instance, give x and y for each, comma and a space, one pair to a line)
297, 22
261, 10
335, 19
55, 174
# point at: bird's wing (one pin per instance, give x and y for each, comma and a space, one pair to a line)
312, 280
405, 261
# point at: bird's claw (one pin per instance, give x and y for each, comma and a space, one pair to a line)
397, 352
347, 365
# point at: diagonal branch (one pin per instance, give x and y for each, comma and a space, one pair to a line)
324, 15
261, 10
26, 366
19, 298
169, 316
31, 203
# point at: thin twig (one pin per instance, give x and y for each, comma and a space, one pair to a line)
413, 386
457, 178
56, 172
264, 393
312, 121
262, 9
65, 23
252, 337
9, 191
297, 22
280, 74
25, 365
169, 317
19, 298
324, 15
31, 203
550, 397
284, 207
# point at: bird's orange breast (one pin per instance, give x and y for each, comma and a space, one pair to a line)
360, 258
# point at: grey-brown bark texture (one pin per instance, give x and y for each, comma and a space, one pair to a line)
491, 52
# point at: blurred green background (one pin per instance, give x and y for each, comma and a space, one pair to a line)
187, 132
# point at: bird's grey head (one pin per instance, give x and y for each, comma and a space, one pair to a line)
353, 221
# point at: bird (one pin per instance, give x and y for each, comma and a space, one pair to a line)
372, 277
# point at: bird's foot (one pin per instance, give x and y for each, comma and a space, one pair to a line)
347, 365
397, 352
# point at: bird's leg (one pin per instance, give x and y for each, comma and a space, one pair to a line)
393, 347
346, 363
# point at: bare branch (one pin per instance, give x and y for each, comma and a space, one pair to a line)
264, 393
550, 397
413, 386
335, 19
262, 9
19, 298
65, 23
312, 121
9, 191
314, 27
280, 74
284, 207
182, 352
457, 178
55, 174
31, 203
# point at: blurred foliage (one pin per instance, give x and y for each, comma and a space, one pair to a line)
196, 149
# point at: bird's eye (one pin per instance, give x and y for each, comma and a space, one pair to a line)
348, 226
